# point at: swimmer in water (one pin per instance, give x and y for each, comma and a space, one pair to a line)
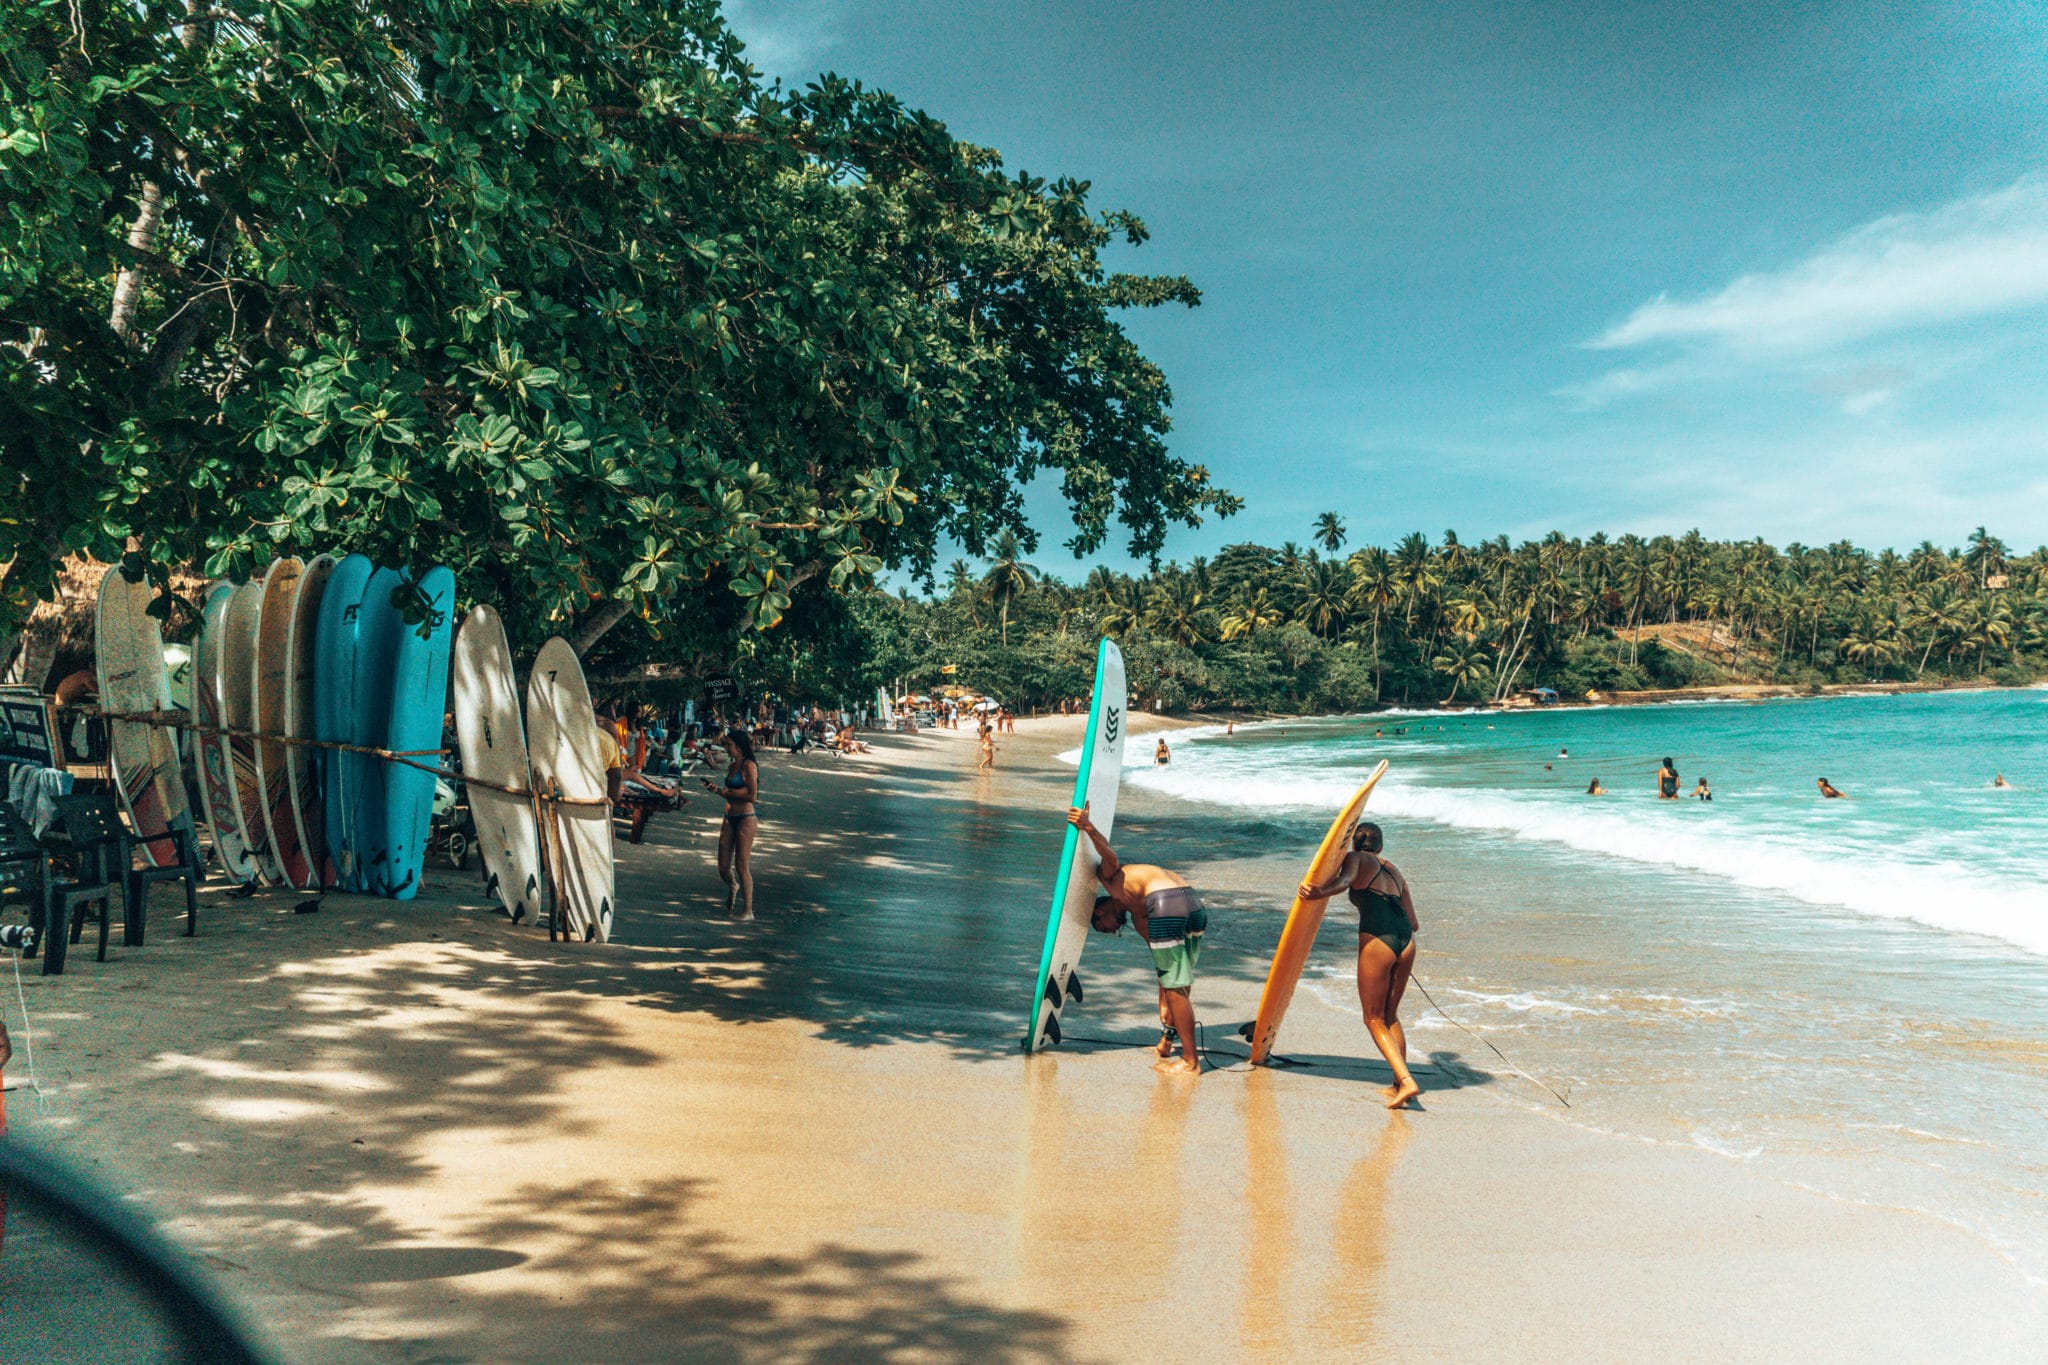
1594, 788
1998, 781
1828, 791
1667, 782
1702, 792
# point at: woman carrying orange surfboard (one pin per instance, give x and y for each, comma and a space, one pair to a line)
1386, 948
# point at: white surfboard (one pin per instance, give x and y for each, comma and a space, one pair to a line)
561, 733
238, 712
128, 648
270, 694
303, 763
211, 754
1074, 887
492, 739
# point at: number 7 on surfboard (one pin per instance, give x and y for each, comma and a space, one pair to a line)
1073, 888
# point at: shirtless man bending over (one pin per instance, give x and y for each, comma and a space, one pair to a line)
1170, 916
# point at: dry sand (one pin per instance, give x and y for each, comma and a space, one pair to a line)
417, 1132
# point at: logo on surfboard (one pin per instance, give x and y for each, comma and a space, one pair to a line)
1110, 717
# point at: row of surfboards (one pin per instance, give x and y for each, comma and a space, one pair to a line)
1096, 785
321, 651
315, 650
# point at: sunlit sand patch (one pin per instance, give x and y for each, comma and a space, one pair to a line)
222, 1070
264, 1111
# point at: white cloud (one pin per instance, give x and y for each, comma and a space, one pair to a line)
1976, 257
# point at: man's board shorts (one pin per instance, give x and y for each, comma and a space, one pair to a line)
1174, 925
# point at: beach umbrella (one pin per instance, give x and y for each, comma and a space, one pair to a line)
988, 704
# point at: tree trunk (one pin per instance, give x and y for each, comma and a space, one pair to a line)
596, 624
128, 285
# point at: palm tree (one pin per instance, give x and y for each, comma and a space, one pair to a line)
1176, 609
1007, 576
1464, 666
1323, 586
1254, 614
1329, 532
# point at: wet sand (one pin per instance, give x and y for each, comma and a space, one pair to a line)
418, 1132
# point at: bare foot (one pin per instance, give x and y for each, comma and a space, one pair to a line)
1182, 1067
1165, 1048
745, 916
1403, 1093
1390, 1090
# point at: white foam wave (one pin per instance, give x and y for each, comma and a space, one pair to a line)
1945, 895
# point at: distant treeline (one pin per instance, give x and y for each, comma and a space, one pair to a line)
1302, 629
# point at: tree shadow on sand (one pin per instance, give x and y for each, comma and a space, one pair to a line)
307, 1103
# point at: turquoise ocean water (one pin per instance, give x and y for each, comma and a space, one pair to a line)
1851, 996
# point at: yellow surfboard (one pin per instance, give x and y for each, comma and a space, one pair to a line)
1299, 935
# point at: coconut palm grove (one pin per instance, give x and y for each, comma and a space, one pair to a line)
1310, 628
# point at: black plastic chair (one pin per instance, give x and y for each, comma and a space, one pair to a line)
99, 847
186, 869
23, 862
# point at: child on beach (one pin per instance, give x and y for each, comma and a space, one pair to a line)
1169, 915
1386, 948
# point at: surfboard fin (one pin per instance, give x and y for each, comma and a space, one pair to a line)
1074, 987
1052, 1028
1053, 993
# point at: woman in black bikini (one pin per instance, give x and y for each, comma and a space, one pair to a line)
736, 832
1386, 948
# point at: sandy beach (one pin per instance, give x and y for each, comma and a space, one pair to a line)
410, 1132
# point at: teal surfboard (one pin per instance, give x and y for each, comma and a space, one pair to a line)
419, 700
1074, 887
378, 626
334, 716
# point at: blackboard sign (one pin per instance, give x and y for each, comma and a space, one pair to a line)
26, 735
721, 689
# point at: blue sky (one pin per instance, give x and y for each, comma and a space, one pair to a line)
1775, 270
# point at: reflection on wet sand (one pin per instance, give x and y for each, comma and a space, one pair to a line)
1099, 1212
1280, 1318
1269, 1250
1359, 1236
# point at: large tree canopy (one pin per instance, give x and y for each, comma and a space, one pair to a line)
558, 292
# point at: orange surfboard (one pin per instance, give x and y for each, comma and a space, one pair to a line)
1298, 937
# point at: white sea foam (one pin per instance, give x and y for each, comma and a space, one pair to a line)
1946, 894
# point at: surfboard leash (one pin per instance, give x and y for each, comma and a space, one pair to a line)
1489, 1046
28, 1038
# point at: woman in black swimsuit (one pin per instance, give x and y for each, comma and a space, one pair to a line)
736, 832
1386, 948
1667, 782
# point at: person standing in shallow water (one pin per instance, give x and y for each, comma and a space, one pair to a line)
736, 832
1170, 917
1667, 782
1386, 948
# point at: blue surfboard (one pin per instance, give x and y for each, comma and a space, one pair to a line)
334, 714
419, 700
378, 627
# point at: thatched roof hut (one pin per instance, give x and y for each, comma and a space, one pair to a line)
58, 639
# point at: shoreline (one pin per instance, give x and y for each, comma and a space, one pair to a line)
1745, 691
420, 1130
